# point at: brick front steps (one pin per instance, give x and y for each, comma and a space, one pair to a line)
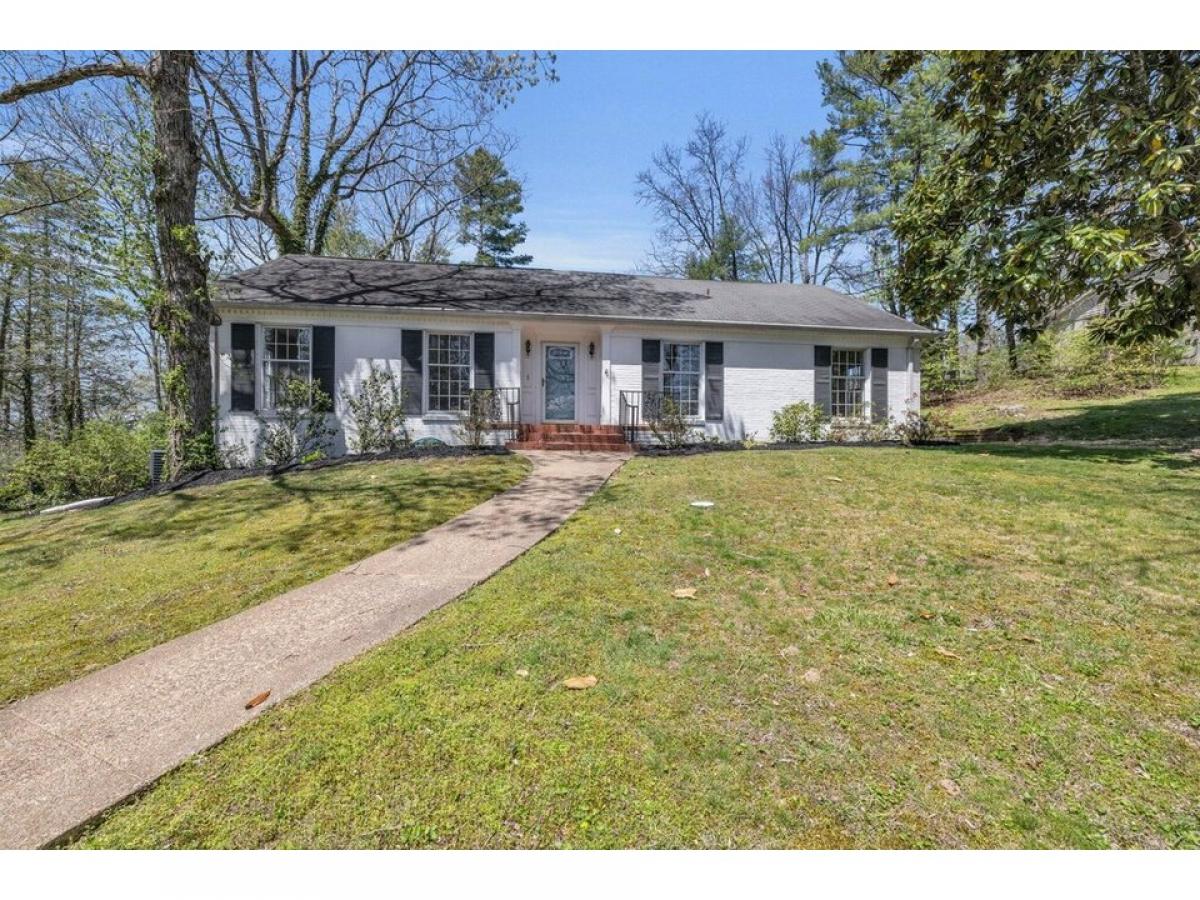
569, 437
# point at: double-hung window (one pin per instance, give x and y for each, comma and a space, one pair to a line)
849, 375
682, 365
449, 372
287, 353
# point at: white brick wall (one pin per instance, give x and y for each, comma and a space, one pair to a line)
765, 369
361, 341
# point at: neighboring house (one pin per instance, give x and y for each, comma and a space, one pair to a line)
564, 349
1087, 306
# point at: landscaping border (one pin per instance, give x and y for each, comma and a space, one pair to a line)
732, 446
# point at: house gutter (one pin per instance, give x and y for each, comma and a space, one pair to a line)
918, 330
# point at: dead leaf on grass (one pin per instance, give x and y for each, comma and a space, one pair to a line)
950, 786
927, 615
684, 593
522, 673
257, 699
580, 682
893, 579
833, 478
948, 654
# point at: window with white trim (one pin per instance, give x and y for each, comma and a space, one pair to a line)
849, 376
287, 353
681, 376
449, 372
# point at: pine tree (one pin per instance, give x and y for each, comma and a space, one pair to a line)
491, 197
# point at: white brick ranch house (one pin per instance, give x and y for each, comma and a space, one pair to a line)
577, 357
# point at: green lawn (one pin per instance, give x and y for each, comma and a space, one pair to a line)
84, 589
1169, 414
886, 648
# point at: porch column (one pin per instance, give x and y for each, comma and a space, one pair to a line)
608, 412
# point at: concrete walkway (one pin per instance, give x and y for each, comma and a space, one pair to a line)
70, 753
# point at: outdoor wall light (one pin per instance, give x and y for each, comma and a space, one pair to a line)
528, 347
591, 348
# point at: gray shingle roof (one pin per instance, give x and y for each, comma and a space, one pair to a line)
303, 280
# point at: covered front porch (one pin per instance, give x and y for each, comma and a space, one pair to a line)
561, 401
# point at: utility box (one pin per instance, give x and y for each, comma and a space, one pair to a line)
158, 461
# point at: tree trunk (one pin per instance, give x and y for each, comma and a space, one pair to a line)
5, 318
184, 317
28, 424
952, 335
1010, 341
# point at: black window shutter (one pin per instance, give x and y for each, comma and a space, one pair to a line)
714, 381
241, 347
322, 359
879, 384
823, 378
651, 376
485, 360
412, 345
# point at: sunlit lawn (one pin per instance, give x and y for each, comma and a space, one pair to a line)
84, 589
1030, 679
1169, 414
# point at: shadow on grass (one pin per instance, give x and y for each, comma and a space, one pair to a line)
1171, 417
1122, 456
211, 513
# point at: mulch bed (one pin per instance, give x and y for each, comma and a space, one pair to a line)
730, 446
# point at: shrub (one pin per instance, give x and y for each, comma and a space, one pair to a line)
798, 422
377, 411
920, 427
1078, 365
300, 431
668, 423
102, 459
481, 417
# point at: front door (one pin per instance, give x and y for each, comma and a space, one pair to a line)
559, 381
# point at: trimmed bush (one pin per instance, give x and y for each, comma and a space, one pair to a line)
797, 423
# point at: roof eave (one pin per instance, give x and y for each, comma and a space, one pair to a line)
912, 329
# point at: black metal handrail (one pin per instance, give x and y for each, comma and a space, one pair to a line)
504, 407
635, 410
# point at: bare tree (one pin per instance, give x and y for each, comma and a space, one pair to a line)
184, 315
698, 192
104, 135
290, 136
717, 220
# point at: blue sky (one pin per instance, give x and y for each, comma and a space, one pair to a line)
582, 140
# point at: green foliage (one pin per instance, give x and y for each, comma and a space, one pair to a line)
101, 459
1077, 364
667, 422
300, 431
491, 197
1072, 171
1064, 363
891, 122
731, 258
377, 413
798, 422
